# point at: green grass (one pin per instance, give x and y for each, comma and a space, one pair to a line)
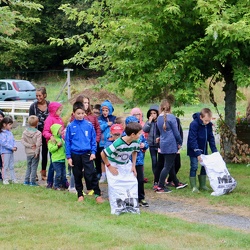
38, 218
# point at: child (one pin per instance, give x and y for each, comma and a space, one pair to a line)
80, 143
57, 149
96, 110
150, 128
140, 164
115, 132
170, 141
121, 171
32, 141
200, 134
1, 118
106, 120
55, 110
8, 146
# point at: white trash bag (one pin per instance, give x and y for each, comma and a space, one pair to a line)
123, 191
220, 179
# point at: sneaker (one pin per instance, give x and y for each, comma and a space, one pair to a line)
170, 184
26, 183
99, 200
103, 179
33, 184
49, 185
143, 203
72, 190
162, 190
181, 185
6, 182
155, 186
15, 181
91, 192
81, 198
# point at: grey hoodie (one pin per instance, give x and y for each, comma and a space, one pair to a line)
150, 127
30, 137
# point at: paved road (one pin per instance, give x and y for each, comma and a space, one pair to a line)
21, 156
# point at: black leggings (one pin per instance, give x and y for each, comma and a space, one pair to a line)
44, 153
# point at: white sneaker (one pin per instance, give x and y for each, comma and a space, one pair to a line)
72, 190
6, 182
103, 179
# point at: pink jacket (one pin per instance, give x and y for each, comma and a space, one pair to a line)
52, 119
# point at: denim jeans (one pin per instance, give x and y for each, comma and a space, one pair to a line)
194, 167
60, 175
154, 159
31, 171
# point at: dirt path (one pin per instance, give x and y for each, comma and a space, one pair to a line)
199, 211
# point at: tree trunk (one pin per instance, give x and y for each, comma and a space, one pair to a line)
230, 90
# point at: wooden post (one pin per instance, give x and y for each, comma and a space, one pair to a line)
68, 81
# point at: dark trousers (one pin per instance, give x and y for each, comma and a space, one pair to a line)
44, 153
98, 160
154, 159
177, 166
83, 163
140, 180
168, 169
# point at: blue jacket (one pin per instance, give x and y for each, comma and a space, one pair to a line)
7, 142
80, 138
199, 136
169, 139
103, 121
141, 154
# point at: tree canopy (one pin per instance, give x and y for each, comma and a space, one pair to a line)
161, 46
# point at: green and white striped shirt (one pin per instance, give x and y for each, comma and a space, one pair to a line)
119, 151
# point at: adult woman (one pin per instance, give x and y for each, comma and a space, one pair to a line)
40, 109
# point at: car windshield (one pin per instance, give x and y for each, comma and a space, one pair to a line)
24, 86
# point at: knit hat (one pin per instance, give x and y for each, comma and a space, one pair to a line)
131, 119
116, 129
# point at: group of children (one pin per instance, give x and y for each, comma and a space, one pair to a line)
117, 148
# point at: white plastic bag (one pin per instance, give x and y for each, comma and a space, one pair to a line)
123, 190
217, 172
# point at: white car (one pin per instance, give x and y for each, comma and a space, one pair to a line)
16, 90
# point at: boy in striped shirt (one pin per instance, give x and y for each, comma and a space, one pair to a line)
121, 172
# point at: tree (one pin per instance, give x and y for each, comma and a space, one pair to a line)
10, 19
161, 46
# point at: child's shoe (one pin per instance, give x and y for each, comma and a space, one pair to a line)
99, 200
103, 179
163, 190
15, 181
181, 185
155, 186
6, 182
91, 192
81, 198
26, 183
72, 190
49, 185
143, 203
33, 184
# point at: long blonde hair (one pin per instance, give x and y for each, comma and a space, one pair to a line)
165, 107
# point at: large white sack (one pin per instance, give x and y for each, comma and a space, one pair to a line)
123, 190
219, 177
